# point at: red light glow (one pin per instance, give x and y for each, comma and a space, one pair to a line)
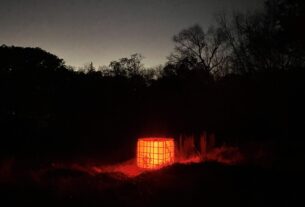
154, 153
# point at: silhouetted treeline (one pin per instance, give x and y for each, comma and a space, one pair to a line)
243, 79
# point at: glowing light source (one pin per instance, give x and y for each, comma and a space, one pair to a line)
154, 153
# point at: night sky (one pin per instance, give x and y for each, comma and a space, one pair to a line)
81, 31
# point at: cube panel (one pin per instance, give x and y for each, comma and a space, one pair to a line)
153, 153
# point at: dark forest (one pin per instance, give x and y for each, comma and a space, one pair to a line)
242, 80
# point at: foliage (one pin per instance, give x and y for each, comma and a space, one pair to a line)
242, 79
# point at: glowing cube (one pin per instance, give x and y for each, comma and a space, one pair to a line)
154, 153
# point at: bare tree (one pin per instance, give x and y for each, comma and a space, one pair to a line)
206, 48
265, 40
128, 66
233, 28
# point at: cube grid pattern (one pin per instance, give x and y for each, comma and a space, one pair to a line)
154, 153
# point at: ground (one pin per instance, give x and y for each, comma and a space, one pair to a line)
201, 184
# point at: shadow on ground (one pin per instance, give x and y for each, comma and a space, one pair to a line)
201, 184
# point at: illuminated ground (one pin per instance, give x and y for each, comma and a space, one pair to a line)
205, 184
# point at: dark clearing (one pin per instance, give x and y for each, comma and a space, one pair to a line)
152, 103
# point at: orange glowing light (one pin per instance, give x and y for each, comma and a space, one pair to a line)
154, 153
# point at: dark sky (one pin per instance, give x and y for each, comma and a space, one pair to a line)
80, 31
